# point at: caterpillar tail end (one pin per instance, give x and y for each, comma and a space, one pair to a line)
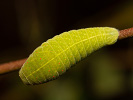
23, 78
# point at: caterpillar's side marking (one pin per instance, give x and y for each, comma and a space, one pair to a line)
56, 55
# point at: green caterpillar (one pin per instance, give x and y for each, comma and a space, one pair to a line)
56, 55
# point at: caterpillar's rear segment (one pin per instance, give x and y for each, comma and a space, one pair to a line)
58, 54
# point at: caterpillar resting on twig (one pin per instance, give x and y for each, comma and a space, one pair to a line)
56, 55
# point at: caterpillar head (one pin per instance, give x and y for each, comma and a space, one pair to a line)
112, 35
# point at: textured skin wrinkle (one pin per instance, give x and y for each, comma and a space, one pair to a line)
43, 55
83, 46
58, 57
60, 36
78, 50
69, 49
96, 39
62, 49
60, 54
55, 56
35, 63
36, 66
89, 41
105, 36
75, 46
26, 77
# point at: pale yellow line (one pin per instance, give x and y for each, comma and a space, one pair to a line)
62, 52
26, 77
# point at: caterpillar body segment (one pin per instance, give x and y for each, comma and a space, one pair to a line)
55, 56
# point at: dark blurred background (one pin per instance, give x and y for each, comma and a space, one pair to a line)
106, 74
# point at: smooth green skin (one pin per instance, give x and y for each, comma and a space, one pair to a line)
56, 55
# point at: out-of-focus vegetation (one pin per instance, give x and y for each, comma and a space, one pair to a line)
106, 74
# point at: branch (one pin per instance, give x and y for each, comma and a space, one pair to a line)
15, 65
125, 33
11, 66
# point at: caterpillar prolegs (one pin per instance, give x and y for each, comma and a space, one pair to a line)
56, 55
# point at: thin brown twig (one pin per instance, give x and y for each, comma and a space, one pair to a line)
15, 65
125, 33
11, 66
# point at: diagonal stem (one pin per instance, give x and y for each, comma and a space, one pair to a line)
16, 65
11, 66
125, 33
